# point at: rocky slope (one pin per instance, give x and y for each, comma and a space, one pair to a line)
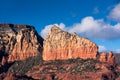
18, 42
72, 69
62, 45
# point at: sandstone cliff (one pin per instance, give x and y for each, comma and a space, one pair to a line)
19, 42
62, 45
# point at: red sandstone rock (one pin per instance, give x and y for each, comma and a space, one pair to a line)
118, 71
118, 78
4, 61
2, 75
103, 57
19, 41
111, 58
58, 45
101, 75
62, 45
10, 77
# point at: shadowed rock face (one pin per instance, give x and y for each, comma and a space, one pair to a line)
62, 45
19, 42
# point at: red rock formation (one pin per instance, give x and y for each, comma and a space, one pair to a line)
62, 45
111, 58
103, 57
10, 77
4, 61
19, 41
118, 71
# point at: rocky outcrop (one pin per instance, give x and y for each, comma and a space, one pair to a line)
62, 45
19, 42
110, 58
103, 57
4, 61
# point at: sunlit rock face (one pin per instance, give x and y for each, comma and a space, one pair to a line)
103, 57
110, 58
19, 42
62, 45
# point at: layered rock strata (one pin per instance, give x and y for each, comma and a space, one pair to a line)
19, 42
62, 45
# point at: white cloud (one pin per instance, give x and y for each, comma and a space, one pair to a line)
87, 24
102, 48
115, 13
47, 28
90, 28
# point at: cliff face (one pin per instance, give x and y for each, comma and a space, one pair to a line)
19, 42
62, 45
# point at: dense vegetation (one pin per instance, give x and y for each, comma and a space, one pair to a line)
23, 66
80, 65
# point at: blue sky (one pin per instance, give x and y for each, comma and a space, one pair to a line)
98, 20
